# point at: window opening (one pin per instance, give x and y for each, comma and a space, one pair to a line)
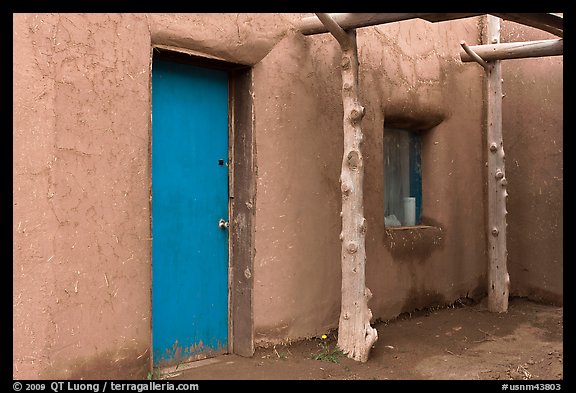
402, 177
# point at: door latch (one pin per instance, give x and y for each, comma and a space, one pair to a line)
223, 224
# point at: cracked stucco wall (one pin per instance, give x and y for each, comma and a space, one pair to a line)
410, 76
81, 176
81, 196
533, 128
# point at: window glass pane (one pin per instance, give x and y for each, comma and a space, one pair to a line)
402, 177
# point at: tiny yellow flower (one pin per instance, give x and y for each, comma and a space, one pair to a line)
324, 337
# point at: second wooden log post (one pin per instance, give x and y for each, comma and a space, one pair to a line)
498, 279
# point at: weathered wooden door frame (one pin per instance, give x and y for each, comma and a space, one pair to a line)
242, 192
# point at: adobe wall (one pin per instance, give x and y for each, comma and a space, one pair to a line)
81, 196
82, 245
410, 75
81, 175
533, 129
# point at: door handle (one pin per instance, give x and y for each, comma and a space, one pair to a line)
223, 224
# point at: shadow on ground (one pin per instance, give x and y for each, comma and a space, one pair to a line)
458, 342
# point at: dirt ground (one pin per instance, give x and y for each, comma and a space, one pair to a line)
462, 341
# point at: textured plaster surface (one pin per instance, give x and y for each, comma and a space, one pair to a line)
410, 76
81, 196
81, 175
532, 124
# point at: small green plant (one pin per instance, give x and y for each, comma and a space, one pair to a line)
154, 374
327, 352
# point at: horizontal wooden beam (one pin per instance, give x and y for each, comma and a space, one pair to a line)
549, 22
312, 25
441, 17
515, 50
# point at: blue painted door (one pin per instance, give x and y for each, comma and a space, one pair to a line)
189, 197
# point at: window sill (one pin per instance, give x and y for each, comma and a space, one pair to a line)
414, 242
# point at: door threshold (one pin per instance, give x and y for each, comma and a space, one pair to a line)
174, 371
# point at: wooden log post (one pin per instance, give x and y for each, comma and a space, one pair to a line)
355, 335
498, 279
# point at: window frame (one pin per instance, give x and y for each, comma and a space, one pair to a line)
414, 172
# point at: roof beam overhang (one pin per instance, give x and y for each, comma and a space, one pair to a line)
313, 25
552, 23
514, 50
549, 22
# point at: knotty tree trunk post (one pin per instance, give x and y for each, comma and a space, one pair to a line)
498, 279
355, 335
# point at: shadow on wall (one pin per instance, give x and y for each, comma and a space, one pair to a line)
419, 299
122, 364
